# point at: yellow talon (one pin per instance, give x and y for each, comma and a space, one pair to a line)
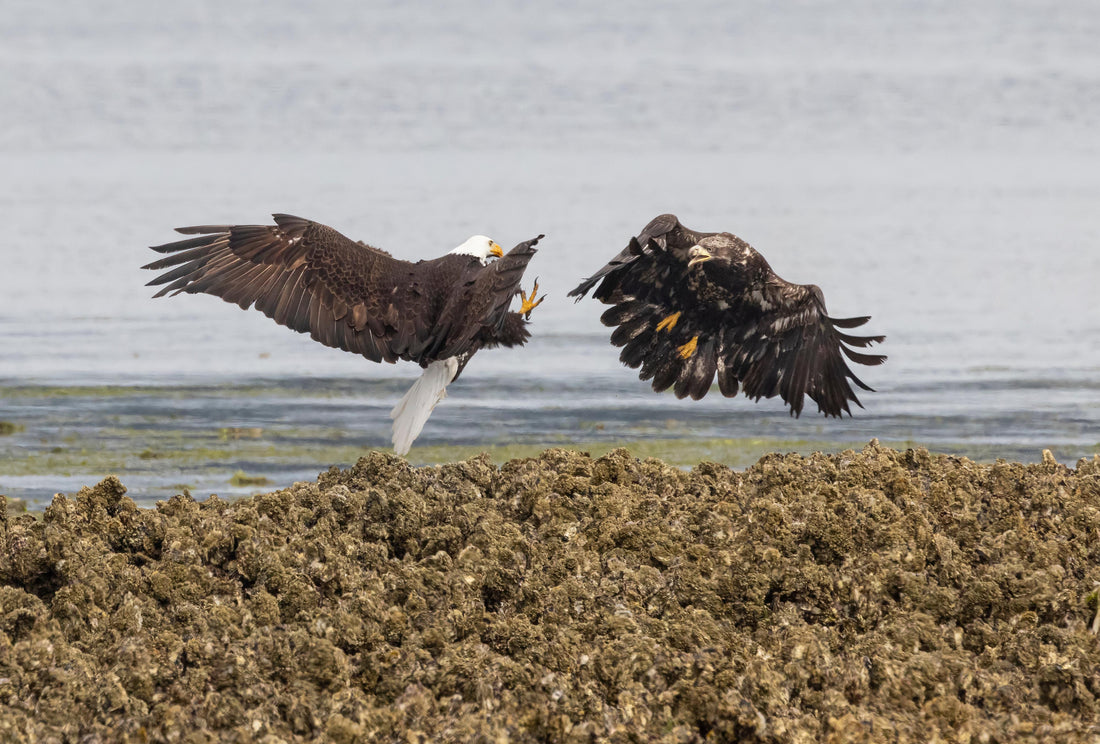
529, 303
689, 348
669, 323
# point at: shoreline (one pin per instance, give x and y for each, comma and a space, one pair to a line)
237, 463
161, 440
872, 595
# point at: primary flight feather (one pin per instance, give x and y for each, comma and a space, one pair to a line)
348, 295
690, 307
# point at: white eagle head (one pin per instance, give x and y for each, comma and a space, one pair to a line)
481, 247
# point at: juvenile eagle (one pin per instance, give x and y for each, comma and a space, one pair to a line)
688, 306
352, 296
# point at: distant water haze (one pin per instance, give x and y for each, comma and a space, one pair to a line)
931, 165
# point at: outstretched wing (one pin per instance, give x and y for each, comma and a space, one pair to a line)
303, 275
743, 324
779, 343
662, 245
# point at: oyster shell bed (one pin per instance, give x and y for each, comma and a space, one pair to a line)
879, 595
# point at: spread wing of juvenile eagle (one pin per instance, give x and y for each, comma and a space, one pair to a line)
351, 296
690, 306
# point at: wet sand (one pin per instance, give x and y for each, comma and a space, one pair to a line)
880, 595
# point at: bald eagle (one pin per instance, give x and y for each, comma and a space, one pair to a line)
352, 296
688, 306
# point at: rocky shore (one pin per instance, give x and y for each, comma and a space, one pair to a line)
880, 595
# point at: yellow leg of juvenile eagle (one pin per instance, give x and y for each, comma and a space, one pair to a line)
529, 302
669, 323
688, 349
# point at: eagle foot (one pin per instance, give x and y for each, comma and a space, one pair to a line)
529, 301
688, 349
669, 323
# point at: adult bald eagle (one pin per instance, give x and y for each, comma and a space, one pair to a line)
352, 296
688, 306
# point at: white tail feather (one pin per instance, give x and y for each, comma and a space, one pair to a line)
412, 411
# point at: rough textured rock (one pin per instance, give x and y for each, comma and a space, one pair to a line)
871, 596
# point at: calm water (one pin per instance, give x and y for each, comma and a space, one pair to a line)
933, 165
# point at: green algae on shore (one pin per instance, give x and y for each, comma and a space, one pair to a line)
241, 478
139, 450
865, 596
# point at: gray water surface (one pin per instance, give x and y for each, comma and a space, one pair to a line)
932, 165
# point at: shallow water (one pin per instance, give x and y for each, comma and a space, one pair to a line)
931, 166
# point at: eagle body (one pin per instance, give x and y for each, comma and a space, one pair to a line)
690, 308
352, 296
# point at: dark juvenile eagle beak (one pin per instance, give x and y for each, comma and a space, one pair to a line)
698, 255
496, 250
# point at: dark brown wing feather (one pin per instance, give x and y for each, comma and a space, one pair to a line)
512, 332
657, 249
480, 305
767, 337
314, 280
788, 346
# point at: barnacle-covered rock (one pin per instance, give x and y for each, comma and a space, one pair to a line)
878, 595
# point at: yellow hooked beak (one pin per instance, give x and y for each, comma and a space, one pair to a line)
698, 255
496, 250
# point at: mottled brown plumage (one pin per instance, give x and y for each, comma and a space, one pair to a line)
349, 295
690, 306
